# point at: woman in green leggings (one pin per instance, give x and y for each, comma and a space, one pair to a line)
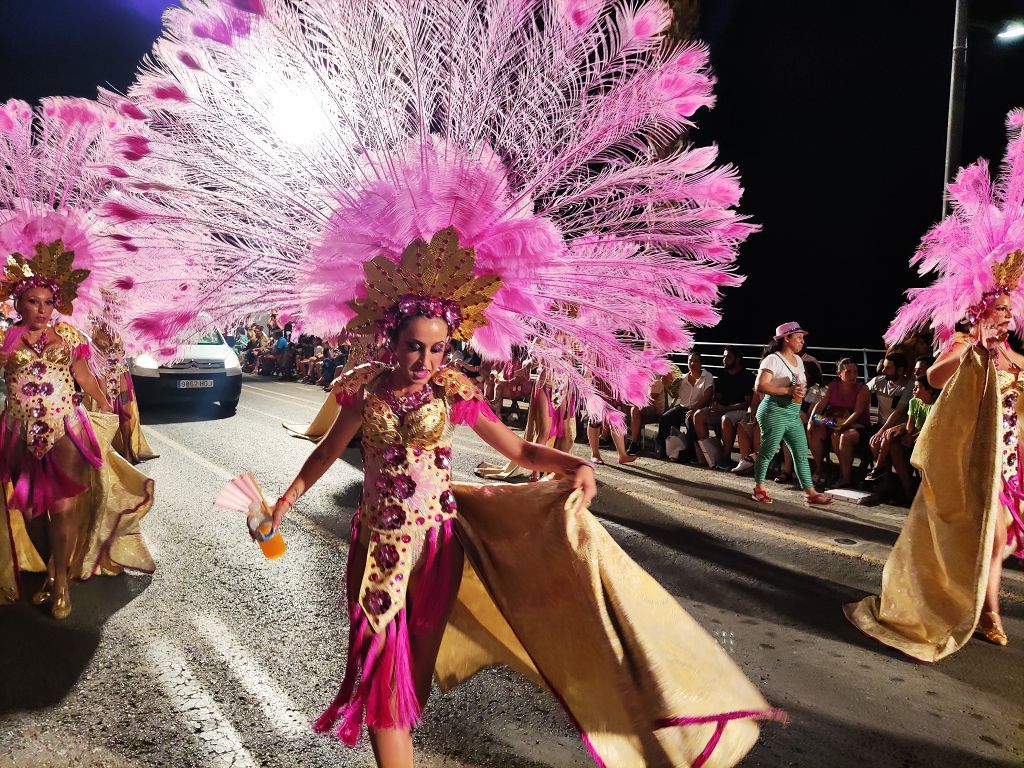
782, 381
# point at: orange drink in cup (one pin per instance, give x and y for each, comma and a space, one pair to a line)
269, 539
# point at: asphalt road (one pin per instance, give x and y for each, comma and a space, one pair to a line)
222, 658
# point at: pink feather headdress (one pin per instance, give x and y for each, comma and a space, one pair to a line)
974, 252
53, 174
290, 145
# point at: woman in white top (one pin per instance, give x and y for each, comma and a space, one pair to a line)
782, 381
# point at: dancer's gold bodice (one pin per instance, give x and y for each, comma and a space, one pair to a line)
407, 485
41, 388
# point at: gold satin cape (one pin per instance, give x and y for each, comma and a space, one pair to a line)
934, 581
548, 592
322, 422
110, 510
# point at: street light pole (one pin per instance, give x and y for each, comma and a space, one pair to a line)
957, 96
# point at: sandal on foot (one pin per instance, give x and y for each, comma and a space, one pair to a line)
761, 495
820, 499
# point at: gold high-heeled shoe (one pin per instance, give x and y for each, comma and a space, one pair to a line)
61, 606
991, 627
45, 593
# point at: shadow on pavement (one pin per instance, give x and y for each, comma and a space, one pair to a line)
170, 413
814, 741
43, 658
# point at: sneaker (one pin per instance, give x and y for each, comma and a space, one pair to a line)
724, 464
744, 465
633, 449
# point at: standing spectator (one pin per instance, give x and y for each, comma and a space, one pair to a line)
783, 382
841, 416
902, 447
892, 391
272, 324
734, 390
695, 391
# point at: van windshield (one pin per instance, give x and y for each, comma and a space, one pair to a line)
212, 338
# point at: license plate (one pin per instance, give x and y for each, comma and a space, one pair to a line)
195, 383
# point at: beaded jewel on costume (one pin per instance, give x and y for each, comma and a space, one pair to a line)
407, 488
1010, 389
41, 390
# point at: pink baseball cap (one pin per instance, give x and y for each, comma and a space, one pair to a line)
787, 328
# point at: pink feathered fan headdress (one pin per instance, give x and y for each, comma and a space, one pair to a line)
308, 139
53, 173
970, 252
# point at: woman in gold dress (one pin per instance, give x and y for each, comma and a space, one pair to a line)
447, 579
52, 451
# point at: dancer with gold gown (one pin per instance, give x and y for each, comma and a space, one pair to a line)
115, 378
941, 581
57, 466
447, 201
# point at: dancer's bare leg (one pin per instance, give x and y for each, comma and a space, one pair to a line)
619, 441
995, 568
594, 439
392, 747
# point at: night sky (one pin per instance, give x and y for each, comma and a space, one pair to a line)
835, 114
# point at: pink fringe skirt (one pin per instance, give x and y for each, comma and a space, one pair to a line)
378, 684
39, 483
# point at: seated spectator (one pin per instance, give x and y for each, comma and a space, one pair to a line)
734, 391
332, 362
841, 415
471, 364
892, 392
921, 366
902, 446
663, 389
273, 358
695, 391
304, 365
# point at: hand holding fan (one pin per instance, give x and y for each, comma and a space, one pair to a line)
243, 494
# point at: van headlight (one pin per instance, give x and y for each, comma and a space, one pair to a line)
145, 365
231, 362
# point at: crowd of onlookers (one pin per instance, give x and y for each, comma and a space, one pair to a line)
272, 351
859, 434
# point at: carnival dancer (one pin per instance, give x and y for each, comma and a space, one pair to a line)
110, 364
941, 581
550, 421
429, 578
428, 196
55, 458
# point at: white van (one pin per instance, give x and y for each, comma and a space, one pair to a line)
207, 371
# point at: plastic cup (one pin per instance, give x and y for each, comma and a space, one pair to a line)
797, 398
270, 541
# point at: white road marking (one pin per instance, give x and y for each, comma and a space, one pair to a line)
218, 741
282, 713
306, 402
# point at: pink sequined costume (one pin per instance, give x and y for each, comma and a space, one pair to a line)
405, 518
43, 419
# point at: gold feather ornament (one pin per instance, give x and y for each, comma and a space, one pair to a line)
441, 272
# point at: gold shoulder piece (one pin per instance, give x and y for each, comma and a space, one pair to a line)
359, 377
71, 335
455, 384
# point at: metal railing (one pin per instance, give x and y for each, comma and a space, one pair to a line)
827, 357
